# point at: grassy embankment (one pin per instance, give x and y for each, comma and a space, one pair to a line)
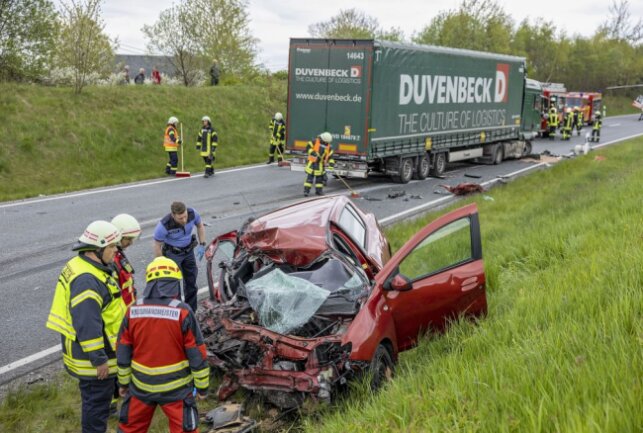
560, 350
52, 141
617, 105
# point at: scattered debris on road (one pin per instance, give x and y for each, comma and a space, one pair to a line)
396, 194
463, 188
368, 198
475, 176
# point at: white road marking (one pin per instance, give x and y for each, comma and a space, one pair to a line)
55, 349
446, 198
29, 359
119, 188
615, 124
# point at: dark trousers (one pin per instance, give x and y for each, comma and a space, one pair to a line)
596, 134
96, 397
273, 147
209, 160
172, 163
187, 263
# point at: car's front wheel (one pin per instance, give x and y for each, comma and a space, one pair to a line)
381, 368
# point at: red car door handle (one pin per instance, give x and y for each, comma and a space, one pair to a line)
469, 284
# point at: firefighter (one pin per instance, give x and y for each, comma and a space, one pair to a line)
568, 124
596, 128
173, 238
171, 143
207, 142
87, 310
130, 231
161, 355
578, 120
320, 157
552, 122
277, 138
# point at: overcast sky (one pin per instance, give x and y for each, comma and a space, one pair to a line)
274, 22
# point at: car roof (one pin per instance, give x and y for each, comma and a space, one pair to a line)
295, 234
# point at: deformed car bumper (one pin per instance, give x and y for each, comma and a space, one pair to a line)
287, 364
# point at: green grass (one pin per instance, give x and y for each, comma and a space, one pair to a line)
53, 141
617, 105
560, 350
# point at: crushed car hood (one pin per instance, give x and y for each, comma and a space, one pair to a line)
296, 235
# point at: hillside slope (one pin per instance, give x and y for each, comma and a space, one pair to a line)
53, 141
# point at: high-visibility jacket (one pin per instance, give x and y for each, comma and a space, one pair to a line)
87, 311
171, 139
207, 141
320, 156
161, 353
125, 273
277, 132
598, 122
568, 121
553, 117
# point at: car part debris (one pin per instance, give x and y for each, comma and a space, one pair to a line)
599, 158
475, 176
368, 198
396, 194
488, 198
416, 197
463, 188
228, 418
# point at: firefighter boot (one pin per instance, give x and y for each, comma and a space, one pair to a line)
306, 191
271, 160
319, 191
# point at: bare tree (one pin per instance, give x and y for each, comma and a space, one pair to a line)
175, 34
620, 26
82, 43
353, 24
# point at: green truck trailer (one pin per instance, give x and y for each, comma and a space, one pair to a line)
407, 110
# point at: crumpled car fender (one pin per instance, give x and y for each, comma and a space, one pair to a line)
372, 325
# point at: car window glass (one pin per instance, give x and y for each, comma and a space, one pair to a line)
444, 248
353, 226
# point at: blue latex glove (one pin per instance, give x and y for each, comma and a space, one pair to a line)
200, 251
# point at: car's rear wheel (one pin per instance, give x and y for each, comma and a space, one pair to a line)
381, 368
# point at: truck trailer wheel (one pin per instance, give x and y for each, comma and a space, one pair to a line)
498, 154
439, 164
405, 172
527, 149
422, 169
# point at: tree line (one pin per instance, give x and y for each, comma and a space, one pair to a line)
36, 37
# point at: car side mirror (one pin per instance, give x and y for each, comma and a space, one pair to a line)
398, 282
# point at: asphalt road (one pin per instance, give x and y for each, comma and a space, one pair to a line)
38, 233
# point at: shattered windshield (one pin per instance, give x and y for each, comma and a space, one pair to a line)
284, 302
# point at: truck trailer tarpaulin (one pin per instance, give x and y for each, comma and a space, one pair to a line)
389, 106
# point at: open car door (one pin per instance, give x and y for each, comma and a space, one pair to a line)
436, 276
221, 249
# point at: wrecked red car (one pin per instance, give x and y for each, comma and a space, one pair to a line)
307, 297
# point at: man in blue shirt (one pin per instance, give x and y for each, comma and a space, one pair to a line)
173, 239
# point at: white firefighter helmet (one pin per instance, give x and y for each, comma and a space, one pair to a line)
279, 116
127, 224
97, 235
172, 121
206, 119
326, 137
